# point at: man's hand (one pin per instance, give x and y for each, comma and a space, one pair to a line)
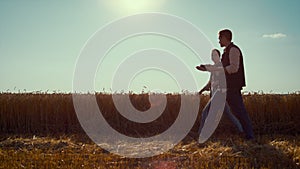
201, 68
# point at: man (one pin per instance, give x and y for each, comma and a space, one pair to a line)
232, 63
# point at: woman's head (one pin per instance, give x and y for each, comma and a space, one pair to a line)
215, 55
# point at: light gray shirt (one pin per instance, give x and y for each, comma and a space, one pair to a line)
234, 62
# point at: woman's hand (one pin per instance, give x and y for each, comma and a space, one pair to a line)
201, 68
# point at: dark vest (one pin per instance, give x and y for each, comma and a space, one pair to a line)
234, 80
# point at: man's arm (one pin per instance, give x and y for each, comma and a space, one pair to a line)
234, 60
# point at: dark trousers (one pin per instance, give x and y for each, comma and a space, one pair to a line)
236, 104
227, 112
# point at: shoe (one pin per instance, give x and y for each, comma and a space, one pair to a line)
250, 138
201, 145
194, 135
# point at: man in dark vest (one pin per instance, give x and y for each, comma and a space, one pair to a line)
232, 61
233, 66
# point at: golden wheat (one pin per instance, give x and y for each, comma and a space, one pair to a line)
54, 113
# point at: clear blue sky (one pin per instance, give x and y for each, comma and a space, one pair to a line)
41, 40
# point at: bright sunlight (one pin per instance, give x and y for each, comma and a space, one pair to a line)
134, 6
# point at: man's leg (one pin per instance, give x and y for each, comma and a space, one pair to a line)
235, 102
232, 118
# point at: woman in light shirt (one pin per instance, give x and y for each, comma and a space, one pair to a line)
214, 86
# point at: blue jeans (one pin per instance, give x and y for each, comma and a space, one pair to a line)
227, 112
236, 104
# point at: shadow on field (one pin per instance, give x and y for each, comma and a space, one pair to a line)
266, 153
274, 150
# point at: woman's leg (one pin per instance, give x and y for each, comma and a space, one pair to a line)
204, 116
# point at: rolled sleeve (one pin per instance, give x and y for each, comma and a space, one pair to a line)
234, 60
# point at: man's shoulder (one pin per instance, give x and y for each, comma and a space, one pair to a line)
235, 50
234, 46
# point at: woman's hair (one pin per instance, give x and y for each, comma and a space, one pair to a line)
217, 51
215, 58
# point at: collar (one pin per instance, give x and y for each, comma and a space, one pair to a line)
228, 46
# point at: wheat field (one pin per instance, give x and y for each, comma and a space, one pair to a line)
40, 130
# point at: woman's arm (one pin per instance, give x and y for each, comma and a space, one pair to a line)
206, 87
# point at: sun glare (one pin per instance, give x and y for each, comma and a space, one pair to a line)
134, 6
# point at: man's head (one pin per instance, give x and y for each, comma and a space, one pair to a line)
225, 37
